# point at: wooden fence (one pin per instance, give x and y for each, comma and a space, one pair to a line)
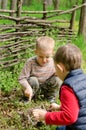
17, 37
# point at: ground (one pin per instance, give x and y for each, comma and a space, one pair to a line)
17, 114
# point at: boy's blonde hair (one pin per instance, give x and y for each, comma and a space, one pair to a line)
70, 55
45, 43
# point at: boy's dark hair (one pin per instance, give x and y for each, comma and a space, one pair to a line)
70, 55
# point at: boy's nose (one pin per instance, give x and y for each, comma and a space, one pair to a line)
44, 60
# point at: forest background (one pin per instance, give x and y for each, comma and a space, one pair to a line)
13, 111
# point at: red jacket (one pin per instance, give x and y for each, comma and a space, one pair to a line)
69, 109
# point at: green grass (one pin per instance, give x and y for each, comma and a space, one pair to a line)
79, 41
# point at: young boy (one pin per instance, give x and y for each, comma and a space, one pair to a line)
71, 114
38, 74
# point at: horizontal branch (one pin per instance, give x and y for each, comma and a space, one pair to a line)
4, 56
59, 13
49, 22
7, 11
11, 63
41, 12
71, 10
32, 20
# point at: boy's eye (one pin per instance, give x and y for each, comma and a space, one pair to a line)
40, 56
47, 57
44, 57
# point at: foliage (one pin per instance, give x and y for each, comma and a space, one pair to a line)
79, 41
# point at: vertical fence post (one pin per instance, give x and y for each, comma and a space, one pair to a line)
19, 7
82, 21
44, 9
18, 12
44, 14
72, 20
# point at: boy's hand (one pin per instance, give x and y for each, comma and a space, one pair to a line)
54, 106
39, 114
28, 93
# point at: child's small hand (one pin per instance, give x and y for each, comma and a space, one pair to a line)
39, 114
28, 93
54, 106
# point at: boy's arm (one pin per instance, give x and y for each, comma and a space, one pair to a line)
25, 73
68, 113
69, 109
27, 88
54, 106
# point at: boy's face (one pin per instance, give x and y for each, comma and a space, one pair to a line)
43, 57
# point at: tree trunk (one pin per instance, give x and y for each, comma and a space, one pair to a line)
56, 4
27, 2
13, 4
4, 4
82, 23
49, 2
0, 3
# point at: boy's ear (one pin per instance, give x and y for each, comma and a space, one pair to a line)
61, 67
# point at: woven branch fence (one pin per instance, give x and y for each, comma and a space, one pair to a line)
18, 38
